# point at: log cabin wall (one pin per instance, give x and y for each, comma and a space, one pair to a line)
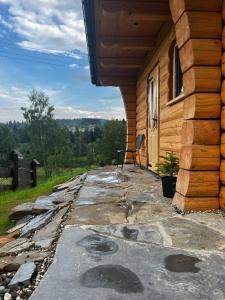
222, 146
171, 114
129, 99
198, 26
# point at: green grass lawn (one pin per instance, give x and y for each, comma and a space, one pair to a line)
10, 199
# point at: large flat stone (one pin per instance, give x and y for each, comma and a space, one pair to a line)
96, 195
37, 223
186, 234
149, 213
137, 233
123, 270
16, 246
23, 275
49, 232
14, 263
71, 184
43, 204
21, 211
103, 177
100, 214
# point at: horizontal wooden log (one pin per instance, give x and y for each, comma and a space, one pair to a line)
222, 145
5, 172
200, 52
222, 171
202, 79
179, 7
198, 183
222, 198
202, 106
171, 112
191, 204
117, 80
201, 132
198, 25
176, 147
173, 131
200, 158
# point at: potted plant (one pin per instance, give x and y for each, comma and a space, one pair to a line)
168, 169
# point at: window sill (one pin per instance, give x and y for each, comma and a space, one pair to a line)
176, 100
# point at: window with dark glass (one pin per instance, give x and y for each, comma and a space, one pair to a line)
178, 76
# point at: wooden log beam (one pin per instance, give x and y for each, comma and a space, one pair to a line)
198, 183
136, 17
135, 42
121, 62
202, 106
200, 158
178, 7
155, 9
200, 52
202, 79
190, 204
196, 24
117, 80
201, 132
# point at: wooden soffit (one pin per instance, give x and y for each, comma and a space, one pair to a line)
121, 34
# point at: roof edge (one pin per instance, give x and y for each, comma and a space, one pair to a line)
90, 29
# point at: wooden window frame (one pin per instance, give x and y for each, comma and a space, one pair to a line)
176, 76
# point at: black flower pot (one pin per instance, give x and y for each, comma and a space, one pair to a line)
169, 186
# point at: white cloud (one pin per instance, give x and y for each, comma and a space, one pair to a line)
12, 98
69, 112
73, 66
48, 26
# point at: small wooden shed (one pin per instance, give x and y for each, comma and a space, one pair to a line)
165, 56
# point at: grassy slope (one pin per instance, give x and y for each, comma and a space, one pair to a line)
10, 199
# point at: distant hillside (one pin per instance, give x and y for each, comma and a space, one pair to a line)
82, 123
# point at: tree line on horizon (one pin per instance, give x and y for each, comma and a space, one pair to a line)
54, 145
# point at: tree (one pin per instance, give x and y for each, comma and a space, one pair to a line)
7, 139
47, 137
113, 138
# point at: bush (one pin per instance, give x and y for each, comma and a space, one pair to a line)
170, 166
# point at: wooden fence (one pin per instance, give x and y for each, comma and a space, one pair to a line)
15, 172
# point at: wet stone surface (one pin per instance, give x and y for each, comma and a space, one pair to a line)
112, 277
127, 242
130, 234
96, 244
182, 263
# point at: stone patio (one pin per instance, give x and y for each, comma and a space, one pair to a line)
124, 240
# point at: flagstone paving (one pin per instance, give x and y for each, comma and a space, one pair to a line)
124, 240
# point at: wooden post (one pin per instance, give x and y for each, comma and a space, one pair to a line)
16, 156
34, 165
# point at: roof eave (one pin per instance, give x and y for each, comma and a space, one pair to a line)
89, 19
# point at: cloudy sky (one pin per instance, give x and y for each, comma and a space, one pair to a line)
43, 46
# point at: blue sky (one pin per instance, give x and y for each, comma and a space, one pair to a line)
43, 46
